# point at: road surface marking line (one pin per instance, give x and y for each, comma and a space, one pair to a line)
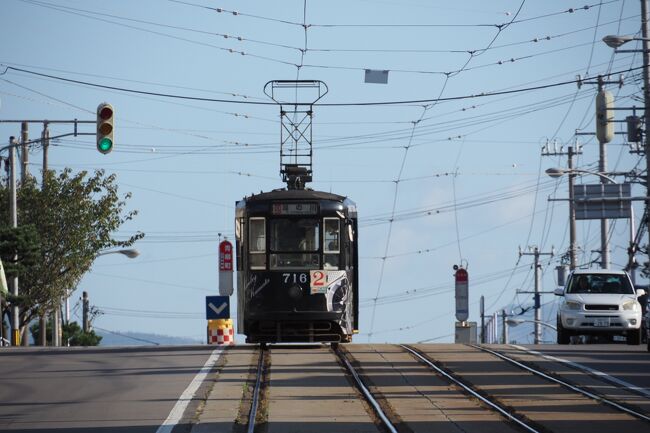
587, 370
179, 408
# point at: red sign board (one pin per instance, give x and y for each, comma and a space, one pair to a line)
225, 256
462, 295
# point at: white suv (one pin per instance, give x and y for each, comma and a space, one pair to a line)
599, 302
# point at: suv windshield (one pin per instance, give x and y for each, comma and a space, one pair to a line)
600, 283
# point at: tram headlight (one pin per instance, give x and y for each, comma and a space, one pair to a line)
295, 291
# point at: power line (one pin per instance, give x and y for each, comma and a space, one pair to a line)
151, 23
322, 104
535, 40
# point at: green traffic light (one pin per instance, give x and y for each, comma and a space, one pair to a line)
105, 145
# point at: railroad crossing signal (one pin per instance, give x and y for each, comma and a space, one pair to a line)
105, 116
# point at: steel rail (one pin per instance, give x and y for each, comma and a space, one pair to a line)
619, 383
256, 394
366, 392
458, 382
566, 384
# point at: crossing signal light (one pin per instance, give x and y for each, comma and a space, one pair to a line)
105, 116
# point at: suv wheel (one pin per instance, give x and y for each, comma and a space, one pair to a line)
634, 337
563, 336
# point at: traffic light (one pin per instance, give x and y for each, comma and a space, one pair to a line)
105, 116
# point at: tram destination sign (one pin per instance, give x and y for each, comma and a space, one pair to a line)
295, 208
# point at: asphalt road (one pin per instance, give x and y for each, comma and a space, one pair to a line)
100, 389
136, 389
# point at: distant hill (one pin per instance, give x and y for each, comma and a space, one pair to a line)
138, 339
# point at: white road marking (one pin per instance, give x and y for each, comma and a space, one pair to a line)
587, 370
219, 309
179, 408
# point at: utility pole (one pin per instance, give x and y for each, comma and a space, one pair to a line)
45, 140
646, 97
570, 153
504, 327
603, 139
86, 307
13, 220
24, 151
482, 311
537, 293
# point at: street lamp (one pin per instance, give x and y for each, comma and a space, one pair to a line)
514, 322
615, 41
131, 253
556, 172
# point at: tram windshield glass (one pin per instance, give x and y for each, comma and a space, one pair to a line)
288, 235
294, 243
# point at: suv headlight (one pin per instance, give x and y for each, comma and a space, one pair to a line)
571, 305
631, 306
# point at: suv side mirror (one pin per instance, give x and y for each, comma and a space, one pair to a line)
559, 291
640, 292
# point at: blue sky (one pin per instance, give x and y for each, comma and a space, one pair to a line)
437, 183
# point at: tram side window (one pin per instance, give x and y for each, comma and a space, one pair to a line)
257, 243
331, 243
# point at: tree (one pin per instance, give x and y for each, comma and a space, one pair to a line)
24, 243
74, 216
72, 334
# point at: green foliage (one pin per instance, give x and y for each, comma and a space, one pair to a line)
72, 335
23, 242
74, 215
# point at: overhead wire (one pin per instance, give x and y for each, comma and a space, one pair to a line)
320, 104
403, 162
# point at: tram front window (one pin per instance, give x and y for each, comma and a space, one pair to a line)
294, 243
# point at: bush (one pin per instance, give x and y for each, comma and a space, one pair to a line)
73, 335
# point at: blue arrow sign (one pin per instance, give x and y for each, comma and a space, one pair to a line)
217, 307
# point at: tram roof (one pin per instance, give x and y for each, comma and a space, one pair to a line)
295, 194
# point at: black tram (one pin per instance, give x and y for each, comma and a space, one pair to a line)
297, 267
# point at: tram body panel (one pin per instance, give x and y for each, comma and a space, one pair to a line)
297, 262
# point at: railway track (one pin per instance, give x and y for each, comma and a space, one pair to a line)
485, 399
417, 389
544, 400
585, 391
387, 418
257, 392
